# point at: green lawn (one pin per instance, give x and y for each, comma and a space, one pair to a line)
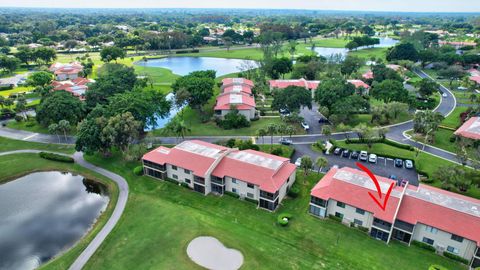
9, 145
331, 42
287, 151
370, 53
423, 162
14, 166
453, 120
442, 139
162, 218
16, 90
249, 53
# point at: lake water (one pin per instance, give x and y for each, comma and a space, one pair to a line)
43, 214
183, 65
328, 52
161, 122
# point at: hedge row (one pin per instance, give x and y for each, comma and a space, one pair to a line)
56, 157
187, 51
335, 218
385, 141
455, 257
423, 245
251, 200
232, 194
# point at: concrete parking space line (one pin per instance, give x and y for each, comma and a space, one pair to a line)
30, 136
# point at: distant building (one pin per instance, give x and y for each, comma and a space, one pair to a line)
66, 71
282, 84
236, 92
447, 221
361, 86
210, 168
470, 129
457, 44
77, 87
368, 75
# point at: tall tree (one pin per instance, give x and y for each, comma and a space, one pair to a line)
293, 98
122, 130
112, 53
59, 105
389, 90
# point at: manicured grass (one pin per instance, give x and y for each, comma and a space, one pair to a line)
14, 166
161, 218
367, 119
367, 54
20, 89
162, 78
453, 120
423, 162
9, 145
287, 151
248, 53
331, 42
442, 139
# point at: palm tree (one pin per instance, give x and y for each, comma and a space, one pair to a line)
272, 129
321, 162
53, 129
64, 126
290, 130
292, 49
21, 106
326, 131
306, 164
261, 133
177, 127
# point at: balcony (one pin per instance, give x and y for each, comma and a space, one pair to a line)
268, 195
199, 180
154, 165
478, 252
217, 180
318, 201
403, 226
382, 224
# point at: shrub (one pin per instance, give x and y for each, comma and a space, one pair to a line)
18, 118
363, 229
318, 145
283, 219
455, 257
251, 200
30, 124
278, 151
381, 140
335, 218
56, 157
423, 245
138, 170
171, 180
233, 120
294, 191
232, 194
185, 185
452, 138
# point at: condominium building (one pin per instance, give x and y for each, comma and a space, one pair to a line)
447, 221
207, 168
236, 93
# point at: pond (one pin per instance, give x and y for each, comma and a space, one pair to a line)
210, 253
44, 214
328, 52
183, 65
161, 122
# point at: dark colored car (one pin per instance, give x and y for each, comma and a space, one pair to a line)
322, 120
337, 151
346, 153
393, 177
354, 155
398, 163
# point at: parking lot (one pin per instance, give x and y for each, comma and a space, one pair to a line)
383, 167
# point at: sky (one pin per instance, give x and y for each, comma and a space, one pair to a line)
362, 5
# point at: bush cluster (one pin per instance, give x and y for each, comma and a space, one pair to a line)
56, 157
284, 218
294, 191
233, 120
423, 245
335, 218
455, 257
232, 194
138, 170
251, 200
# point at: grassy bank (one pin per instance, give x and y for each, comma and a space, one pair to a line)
14, 166
10, 145
162, 218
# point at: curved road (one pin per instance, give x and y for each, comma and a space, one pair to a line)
122, 184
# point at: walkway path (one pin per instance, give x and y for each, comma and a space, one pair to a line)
122, 184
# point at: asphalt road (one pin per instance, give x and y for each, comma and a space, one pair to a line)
122, 184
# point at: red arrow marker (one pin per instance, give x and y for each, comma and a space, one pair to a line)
381, 203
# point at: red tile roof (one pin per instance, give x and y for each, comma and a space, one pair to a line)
267, 171
241, 100
470, 129
475, 79
415, 209
359, 83
237, 89
368, 75
335, 185
424, 204
237, 81
300, 83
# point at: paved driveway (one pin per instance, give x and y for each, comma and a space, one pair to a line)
383, 167
311, 117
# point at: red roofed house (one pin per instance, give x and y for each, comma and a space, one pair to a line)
66, 71
282, 84
470, 129
361, 86
236, 92
368, 75
447, 221
207, 167
77, 87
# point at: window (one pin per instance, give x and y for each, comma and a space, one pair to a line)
431, 229
358, 222
174, 167
234, 180
187, 171
234, 190
360, 211
427, 240
337, 214
341, 204
457, 238
250, 186
452, 250
175, 176
250, 195
187, 181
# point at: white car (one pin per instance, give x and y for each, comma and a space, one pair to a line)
372, 158
444, 95
408, 164
363, 155
298, 162
305, 126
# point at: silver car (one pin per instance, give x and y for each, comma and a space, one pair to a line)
408, 164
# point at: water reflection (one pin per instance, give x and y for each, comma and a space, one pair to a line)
43, 214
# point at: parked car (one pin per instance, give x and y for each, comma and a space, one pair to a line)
398, 163
322, 120
393, 177
298, 162
444, 95
285, 141
346, 153
337, 151
372, 158
408, 164
363, 155
354, 155
284, 112
305, 126
403, 182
